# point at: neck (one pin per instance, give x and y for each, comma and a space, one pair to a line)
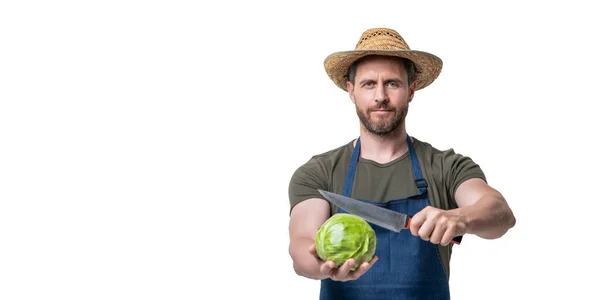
383, 149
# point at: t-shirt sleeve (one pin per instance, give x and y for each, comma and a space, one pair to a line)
306, 181
458, 169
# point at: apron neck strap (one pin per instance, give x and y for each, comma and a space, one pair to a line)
419, 180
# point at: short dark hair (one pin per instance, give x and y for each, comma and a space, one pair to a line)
409, 66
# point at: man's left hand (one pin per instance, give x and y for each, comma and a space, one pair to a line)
438, 226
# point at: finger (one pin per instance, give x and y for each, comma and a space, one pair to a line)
437, 234
312, 249
343, 271
327, 268
373, 260
448, 235
364, 267
426, 230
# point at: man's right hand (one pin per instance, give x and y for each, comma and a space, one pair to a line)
343, 272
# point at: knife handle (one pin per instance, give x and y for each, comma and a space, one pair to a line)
455, 240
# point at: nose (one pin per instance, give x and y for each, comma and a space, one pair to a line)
380, 94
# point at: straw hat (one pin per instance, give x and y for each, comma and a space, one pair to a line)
387, 42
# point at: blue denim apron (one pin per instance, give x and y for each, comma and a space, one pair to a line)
408, 267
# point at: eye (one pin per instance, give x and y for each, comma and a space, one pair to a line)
393, 84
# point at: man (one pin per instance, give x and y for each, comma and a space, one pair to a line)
445, 192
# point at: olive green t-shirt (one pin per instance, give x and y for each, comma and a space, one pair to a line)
444, 171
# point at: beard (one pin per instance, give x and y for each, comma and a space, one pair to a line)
382, 127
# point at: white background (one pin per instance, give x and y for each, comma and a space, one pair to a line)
146, 146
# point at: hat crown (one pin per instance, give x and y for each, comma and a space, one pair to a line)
381, 39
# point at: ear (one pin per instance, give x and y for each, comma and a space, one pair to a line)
350, 88
413, 88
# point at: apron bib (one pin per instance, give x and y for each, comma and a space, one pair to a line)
408, 267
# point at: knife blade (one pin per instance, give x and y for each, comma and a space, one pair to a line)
380, 216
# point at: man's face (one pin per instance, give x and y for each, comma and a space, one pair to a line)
381, 94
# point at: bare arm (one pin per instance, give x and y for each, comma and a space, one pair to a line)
305, 219
482, 211
485, 211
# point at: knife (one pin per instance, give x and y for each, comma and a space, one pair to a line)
380, 216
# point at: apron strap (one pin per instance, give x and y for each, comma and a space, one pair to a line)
352, 170
419, 180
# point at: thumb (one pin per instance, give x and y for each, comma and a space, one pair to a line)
312, 249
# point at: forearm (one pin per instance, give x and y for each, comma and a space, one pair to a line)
305, 264
490, 217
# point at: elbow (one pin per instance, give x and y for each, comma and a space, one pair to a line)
506, 221
297, 269
512, 222
502, 227
509, 222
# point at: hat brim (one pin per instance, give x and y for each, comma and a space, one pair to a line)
427, 65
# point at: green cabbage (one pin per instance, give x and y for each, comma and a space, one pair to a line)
344, 236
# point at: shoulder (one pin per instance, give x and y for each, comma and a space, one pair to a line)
321, 166
330, 157
448, 165
428, 153
317, 173
452, 166
436, 156
448, 169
